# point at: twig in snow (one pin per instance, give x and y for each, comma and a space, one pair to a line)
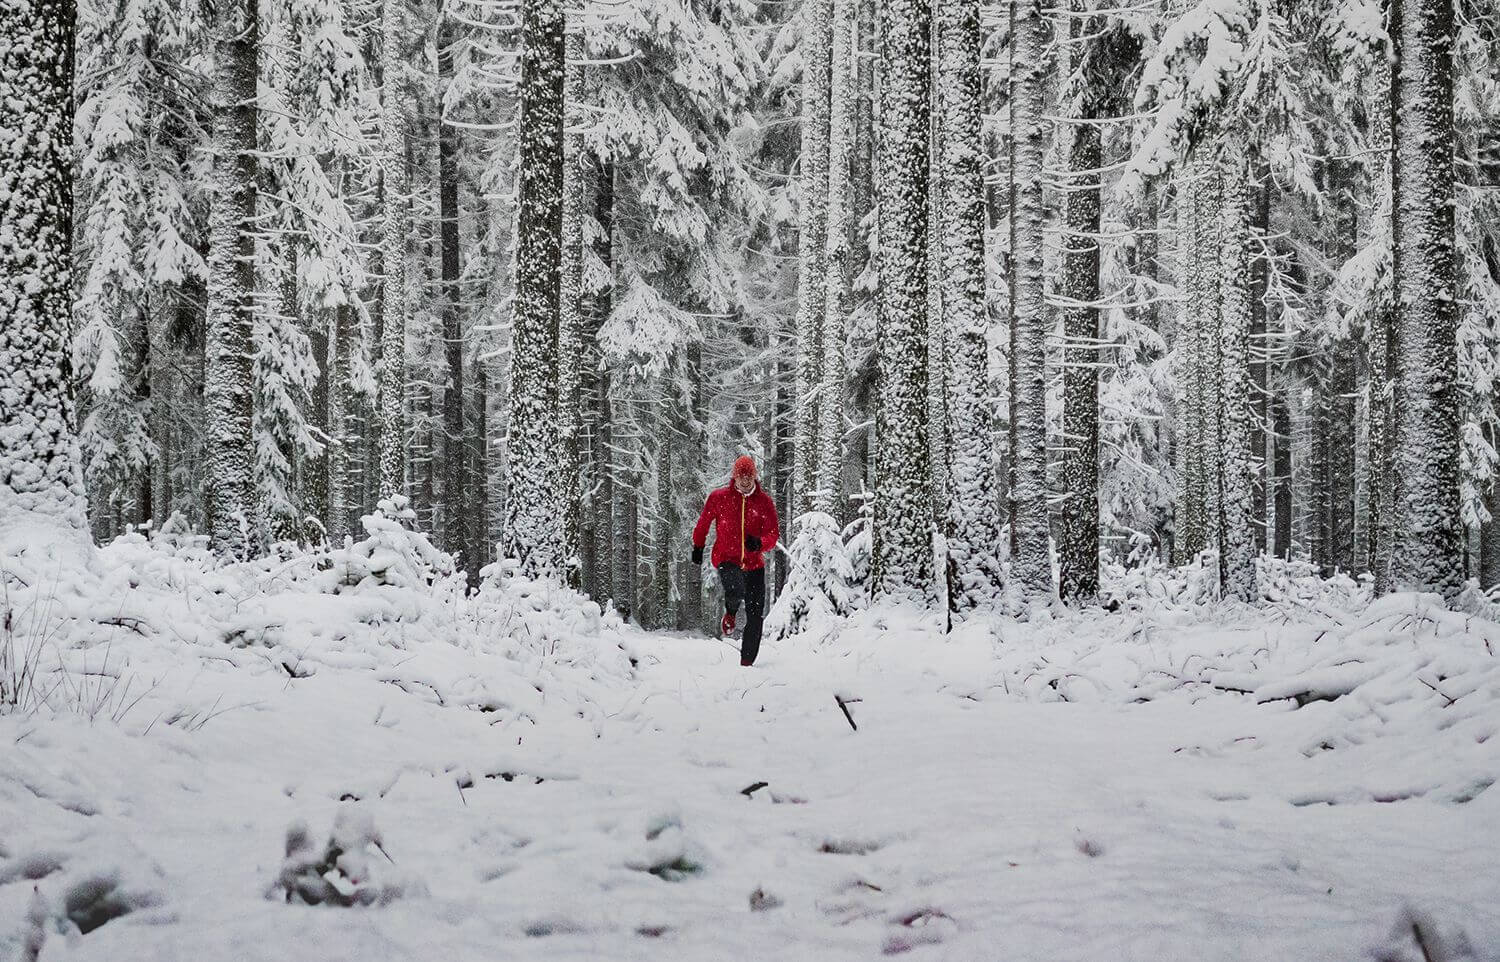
1421, 938
1451, 701
750, 790
844, 707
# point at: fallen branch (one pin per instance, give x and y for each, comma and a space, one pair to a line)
1446, 697
750, 790
844, 707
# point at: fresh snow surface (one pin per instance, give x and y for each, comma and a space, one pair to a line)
517, 777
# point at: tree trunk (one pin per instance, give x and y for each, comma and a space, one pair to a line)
828, 476
455, 474
228, 348
1236, 516
605, 545
903, 505
1078, 547
1030, 559
40, 472
622, 558
1427, 401
533, 529
812, 248
972, 523
1260, 227
570, 315
481, 543
1489, 542
1281, 478
164, 389
395, 191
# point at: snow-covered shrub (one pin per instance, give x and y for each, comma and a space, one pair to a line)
1146, 583
818, 587
669, 853
392, 553
351, 868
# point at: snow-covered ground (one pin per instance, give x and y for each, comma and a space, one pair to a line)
1305, 779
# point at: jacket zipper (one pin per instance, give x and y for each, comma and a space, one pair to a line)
743, 501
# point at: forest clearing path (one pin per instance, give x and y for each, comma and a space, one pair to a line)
958, 822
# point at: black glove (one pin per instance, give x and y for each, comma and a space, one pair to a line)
752, 542
697, 555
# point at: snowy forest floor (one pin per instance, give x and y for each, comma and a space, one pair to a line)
1300, 779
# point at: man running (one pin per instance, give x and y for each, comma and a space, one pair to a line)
747, 529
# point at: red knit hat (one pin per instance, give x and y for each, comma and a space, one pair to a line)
744, 467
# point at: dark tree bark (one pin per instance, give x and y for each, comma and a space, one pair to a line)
455, 473
1281, 478
1078, 542
600, 304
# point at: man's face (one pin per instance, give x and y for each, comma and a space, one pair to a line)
744, 483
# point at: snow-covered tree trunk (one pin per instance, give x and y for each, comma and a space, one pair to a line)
338, 362
972, 522
1199, 438
1078, 536
903, 503
622, 558
395, 195
164, 387
1281, 475
1378, 448
481, 541
691, 607
533, 528
828, 477
664, 601
1030, 556
812, 271
39, 467
605, 545
1428, 553
938, 336
1489, 542
229, 473
570, 313
1237, 522
455, 480
1260, 227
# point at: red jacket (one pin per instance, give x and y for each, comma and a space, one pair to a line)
738, 515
